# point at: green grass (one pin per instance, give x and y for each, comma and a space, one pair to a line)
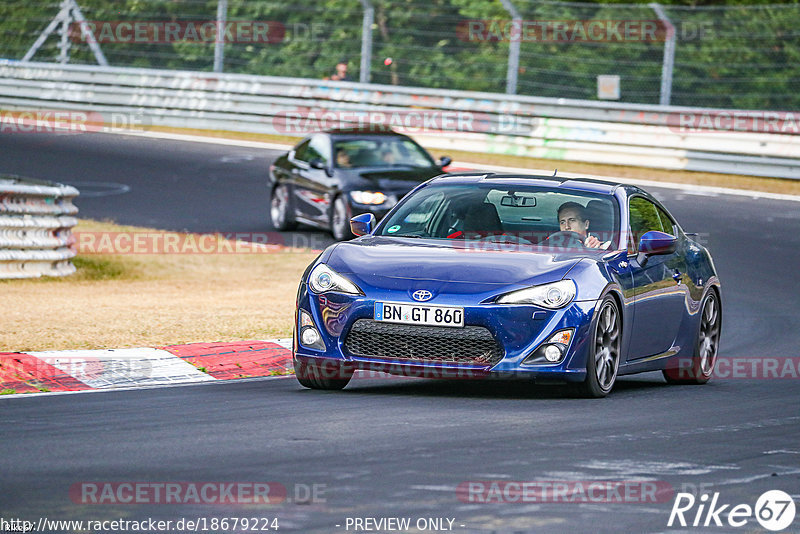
105, 268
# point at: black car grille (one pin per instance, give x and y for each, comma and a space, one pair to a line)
472, 345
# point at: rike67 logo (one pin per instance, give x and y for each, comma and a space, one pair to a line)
774, 510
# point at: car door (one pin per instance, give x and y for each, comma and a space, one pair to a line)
659, 284
312, 184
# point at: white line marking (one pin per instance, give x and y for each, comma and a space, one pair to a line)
123, 367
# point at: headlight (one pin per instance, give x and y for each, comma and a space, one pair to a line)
323, 279
555, 295
368, 197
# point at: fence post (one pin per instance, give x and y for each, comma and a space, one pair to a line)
669, 55
366, 41
64, 44
513, 47
219, 46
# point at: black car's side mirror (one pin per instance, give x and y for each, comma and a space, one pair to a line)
655, 243
362, 224
444, 161
318, 163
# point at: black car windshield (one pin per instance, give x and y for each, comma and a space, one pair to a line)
508, 214
380, 151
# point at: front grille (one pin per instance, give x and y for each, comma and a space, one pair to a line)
473, 345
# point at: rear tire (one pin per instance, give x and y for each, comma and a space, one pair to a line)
280, 209
705, 347
602, 362
326, 374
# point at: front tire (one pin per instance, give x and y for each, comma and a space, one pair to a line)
602, 363
340, 219
280, 209
326, 374
705, 348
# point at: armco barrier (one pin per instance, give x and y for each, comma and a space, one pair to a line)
36, 220
560, 129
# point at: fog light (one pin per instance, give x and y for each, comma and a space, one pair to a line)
309, 336
552, 353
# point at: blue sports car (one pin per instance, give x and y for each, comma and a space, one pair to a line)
478, 275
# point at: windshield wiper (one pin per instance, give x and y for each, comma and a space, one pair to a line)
404, 235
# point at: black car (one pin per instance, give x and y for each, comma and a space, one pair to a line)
332, 176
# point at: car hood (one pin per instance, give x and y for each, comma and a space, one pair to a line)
403, 178
373, 258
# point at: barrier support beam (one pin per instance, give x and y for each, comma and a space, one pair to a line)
364, 72
513, 48
219, 46
668, 63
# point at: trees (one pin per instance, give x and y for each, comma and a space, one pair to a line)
728, 54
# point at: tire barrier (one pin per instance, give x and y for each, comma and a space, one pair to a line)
36, 221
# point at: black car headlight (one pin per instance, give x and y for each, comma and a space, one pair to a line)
373, 198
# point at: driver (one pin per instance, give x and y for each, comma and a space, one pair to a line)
343, 158
387, 156
572, 218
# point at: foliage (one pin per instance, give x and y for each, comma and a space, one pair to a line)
728, 54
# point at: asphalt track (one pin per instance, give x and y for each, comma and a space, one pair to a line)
400, 447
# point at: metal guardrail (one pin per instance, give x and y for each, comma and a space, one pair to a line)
559, 129
36, 221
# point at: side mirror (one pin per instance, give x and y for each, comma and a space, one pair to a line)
655, 243
444, 161
362, 224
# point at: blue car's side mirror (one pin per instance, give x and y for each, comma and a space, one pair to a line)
655, 242
362, 224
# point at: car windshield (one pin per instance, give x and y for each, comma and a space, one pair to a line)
521, 215
380, 152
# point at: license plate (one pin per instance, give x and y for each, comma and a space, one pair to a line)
395, 312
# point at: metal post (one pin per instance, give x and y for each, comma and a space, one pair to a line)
669, 55
88, 35
69, 9
513, 47
64, 44
219, 46
63, 12
366, 41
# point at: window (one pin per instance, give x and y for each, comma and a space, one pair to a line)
319, 148
416, 217
383, 152
644, 217
496, 212
666, 221
301, 150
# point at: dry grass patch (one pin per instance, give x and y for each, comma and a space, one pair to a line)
126, 300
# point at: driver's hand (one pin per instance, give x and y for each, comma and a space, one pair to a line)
592, 242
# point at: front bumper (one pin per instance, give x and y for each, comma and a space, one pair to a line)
518, 330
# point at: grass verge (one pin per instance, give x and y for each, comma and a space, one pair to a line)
134, 300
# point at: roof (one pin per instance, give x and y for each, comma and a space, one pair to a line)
370, 129
582, 184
